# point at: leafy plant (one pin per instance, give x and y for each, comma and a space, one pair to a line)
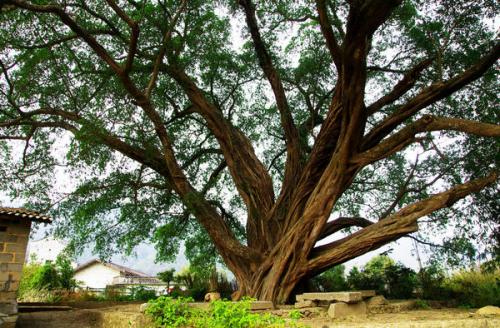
331, 280
474, 288
169, 312
421, 304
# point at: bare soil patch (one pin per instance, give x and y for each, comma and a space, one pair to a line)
129, 316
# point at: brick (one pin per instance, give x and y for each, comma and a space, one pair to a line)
305, 304
343, 310
11, 267
4, 257
347, 297
8, 308
19, 258
6, 297
18, 229
7, 238
14, 286
15, 248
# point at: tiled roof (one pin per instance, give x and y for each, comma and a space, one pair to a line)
25, 214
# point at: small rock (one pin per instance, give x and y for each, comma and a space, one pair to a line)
143, 307
376, 301
210, 297
489, 310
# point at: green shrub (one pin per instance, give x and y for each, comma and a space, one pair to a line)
474, 288
45, 277
29, 271
381, 273
400, 281
169, 312
421, 304
332, 280
430, 281
142, 293
40, 296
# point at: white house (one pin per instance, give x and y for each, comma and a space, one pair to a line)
97, 275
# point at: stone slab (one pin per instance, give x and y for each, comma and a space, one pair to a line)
261, 305
367, 293
343, 310
305, 304
346, 297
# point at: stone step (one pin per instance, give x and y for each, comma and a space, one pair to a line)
346, 297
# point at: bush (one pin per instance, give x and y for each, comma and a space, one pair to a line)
332, 280
474, 288
142, 293
381, 273
169, 312
40, 296
400, 281
45, 277
430, 280
29, 271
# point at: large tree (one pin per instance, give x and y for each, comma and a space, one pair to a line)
253, 128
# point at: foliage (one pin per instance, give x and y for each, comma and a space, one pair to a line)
125, 294
381, 273
421, 304
431, 279
46, 278
172, 155
40, 296
29, 271
50, 276
65, 272
331, 280
169, 312
167, 276
474, 288
142, 293
199, 282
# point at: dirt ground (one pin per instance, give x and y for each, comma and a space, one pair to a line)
128, 316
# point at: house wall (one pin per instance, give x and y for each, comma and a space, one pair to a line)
96, 275
14, 234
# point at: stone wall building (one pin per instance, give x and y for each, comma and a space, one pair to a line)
15, 227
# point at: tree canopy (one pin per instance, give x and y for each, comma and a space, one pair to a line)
248, 131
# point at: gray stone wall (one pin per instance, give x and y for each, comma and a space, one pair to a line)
14, 234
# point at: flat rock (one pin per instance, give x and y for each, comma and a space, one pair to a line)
376, 301
346, 297
305, 304
261, 305
489, 310
143, 307
342, 310
367, 293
